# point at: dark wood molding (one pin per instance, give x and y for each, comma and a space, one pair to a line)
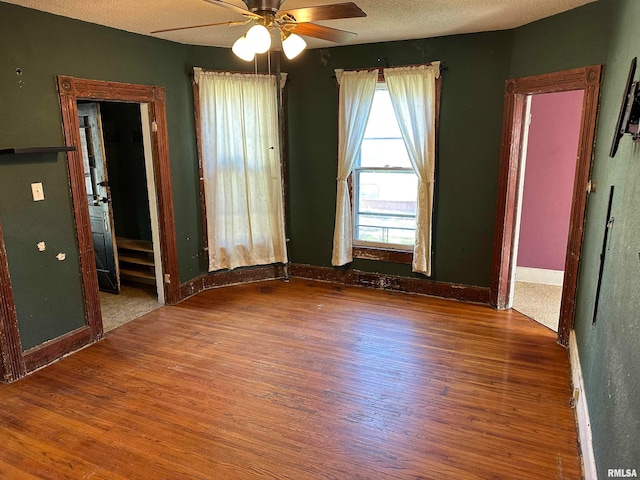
587, 79
232, 277
99, 90
12, 365
337, 275
73, 89
52, 350
203, 203
75, 166
164, 196
466, 293
383, 254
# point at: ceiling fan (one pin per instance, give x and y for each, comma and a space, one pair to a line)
266, 17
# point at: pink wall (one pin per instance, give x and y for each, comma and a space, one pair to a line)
549, 174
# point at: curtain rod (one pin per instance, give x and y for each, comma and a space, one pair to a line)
443, 68
235, 72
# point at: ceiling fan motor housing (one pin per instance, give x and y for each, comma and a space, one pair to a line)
263, 6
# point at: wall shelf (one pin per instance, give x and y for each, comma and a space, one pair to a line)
18, 151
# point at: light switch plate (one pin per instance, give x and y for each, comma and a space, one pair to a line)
37, 191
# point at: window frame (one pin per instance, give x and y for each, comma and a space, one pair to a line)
390, 252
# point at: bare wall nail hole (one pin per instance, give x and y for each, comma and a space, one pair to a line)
18, 71
61, 256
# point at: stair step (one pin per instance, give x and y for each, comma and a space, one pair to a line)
135, 260
137, 245
137, 274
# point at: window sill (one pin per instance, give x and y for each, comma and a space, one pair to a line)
383, 254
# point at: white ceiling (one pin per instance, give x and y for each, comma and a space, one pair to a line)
387, 19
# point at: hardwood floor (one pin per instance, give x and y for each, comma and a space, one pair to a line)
300, 380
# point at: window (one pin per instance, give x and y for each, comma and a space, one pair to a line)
370, 157
385, 186
241, 169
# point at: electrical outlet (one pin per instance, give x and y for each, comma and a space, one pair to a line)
37, 192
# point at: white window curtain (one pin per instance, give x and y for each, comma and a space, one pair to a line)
242, 169
413, 95
356, 96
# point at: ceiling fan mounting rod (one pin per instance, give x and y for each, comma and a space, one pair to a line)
263, 6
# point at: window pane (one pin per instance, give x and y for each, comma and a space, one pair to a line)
383, 145
386, 206
382, 119
381, 229
384, 152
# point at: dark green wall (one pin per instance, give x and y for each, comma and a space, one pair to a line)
47, 292
573, 39
469, 144
609, 350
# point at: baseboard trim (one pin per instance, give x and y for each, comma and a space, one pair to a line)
232, 277
465, 293
582, 411
451, 291
55, 349
540, 275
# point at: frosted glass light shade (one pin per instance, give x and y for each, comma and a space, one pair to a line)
259, 38
293, 45
243, 49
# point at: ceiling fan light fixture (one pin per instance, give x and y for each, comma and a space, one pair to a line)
293, 45
242, 48
259, 38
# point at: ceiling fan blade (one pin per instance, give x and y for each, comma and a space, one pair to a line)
320, 31
230, 6
231, 24
325, 12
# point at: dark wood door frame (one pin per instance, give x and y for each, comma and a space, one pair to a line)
12, 365
73, 89
516, 92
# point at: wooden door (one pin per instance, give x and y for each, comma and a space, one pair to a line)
98, 196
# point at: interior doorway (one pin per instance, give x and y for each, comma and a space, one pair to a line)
543, 212
517, 92
149, 101
121, 194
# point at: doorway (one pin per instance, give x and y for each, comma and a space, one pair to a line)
547, 174
517, 91
120, 193
151, 105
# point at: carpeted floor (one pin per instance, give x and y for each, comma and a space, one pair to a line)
131, 303
539, 302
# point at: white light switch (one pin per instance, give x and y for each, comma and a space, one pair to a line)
37, 191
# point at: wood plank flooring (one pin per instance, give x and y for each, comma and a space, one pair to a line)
300, 380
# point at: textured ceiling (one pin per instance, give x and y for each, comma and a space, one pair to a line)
387, 19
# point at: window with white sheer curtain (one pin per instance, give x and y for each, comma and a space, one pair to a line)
411, 95
241, 168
